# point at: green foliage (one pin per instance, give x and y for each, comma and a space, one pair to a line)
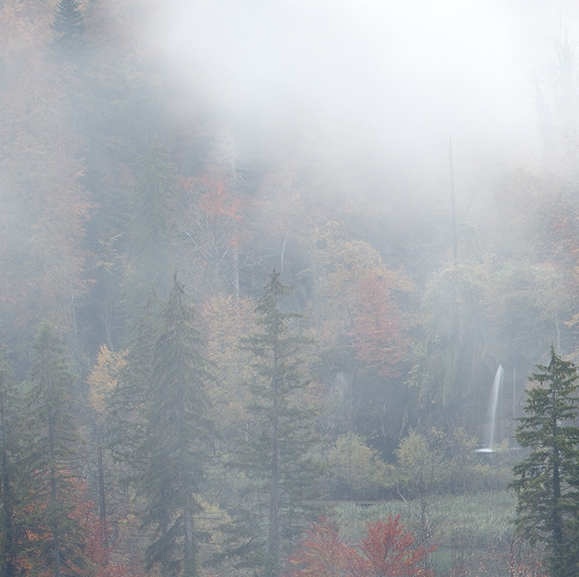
439, 462
54, 535
277, 452
473, 316
547, 481
466, 472
77, 247
126, 405
177, 440
356, 471
483, 519
420, 468
160, 429
12, 529
453, 316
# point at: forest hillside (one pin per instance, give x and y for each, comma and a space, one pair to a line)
216, 331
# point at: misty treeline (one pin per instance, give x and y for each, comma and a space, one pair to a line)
166, 401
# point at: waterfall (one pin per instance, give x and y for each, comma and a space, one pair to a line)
492, 413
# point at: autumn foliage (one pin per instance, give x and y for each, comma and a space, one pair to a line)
322, 554
377, 333
386, 551
99, 547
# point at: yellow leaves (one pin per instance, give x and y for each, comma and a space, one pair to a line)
354, 465
105, 376
111, 256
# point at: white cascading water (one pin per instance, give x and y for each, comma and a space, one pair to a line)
492, 413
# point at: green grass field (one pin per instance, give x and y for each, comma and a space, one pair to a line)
473, 533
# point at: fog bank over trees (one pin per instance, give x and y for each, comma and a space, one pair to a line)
226, 219
395, 79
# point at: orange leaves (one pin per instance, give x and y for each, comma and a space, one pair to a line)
387, 550
213, 227
377, 329
323, 554
217, 200
355, 298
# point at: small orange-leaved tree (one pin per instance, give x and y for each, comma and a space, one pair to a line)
387, 551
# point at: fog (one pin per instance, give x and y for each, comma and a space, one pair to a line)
237, 292
396, 78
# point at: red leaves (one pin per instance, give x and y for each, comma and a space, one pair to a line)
387, 551
218, 199
100, 553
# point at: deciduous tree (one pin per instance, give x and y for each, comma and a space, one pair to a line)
387, 550
321, 553
377, 333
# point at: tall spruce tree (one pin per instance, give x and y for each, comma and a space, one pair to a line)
126, 422
547, 483
11, 476
276, 454
127, 404
55, 537
177, 439
68, 25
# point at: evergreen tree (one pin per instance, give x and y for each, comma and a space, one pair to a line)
127, 403
276, 454
11, 529
55, 537
153, 224
126, 426
547, 483
69, 25
178, 435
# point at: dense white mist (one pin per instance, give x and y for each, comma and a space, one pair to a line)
397, 77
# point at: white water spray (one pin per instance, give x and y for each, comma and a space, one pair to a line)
492, 413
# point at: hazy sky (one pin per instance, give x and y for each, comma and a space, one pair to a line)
394, 76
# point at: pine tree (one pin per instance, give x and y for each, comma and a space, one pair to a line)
547, 483
11, 529
177, 439
277, 453
55, 538
69, 25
